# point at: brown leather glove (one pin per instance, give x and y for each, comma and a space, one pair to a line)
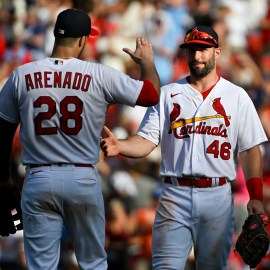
253, 242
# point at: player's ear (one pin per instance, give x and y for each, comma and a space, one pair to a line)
217, 52
82, 41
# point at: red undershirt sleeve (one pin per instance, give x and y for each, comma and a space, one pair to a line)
148, 96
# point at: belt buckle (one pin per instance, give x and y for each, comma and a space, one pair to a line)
214, 181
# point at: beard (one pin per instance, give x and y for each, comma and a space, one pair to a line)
201, 73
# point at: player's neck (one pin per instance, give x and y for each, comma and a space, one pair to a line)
65, 58
203, 84
63, 53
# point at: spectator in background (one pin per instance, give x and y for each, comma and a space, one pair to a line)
265, 28
119, 228
239, 11
245, 72
203, 12
142, 237
181, 15
33, 34
55, 8
15, 55
160, 29
130, 118
18, 54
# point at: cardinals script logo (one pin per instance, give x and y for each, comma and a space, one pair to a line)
202, 128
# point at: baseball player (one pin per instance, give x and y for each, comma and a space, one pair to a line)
202, 122
61, 104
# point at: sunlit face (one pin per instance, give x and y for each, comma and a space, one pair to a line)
201, 60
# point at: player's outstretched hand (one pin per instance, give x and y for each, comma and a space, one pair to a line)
110, 144
143, 53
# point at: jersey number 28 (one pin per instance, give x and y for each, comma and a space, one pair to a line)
66, 115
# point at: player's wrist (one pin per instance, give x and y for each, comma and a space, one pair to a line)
255, 188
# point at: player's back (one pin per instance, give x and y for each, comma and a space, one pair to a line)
62, 106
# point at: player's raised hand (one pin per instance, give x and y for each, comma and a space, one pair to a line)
143, 53
110, 144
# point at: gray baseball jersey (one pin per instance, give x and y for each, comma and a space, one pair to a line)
61, 105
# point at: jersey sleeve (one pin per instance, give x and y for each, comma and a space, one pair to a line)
250, 131
8, 100
150, 126
119, 87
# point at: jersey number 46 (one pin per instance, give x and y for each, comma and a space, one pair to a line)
222, 151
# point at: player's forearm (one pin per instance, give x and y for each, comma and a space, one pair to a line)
251, 161
149, 72
135, 147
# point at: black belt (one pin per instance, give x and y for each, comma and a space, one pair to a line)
196, 182
60, 165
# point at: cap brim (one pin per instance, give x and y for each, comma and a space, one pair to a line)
94, 32
199, 42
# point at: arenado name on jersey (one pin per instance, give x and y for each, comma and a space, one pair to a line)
57, 79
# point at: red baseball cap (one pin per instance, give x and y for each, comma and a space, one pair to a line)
203, 35
74, 23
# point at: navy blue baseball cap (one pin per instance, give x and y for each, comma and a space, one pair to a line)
74, 23
203, 35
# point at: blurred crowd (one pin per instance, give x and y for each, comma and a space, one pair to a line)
132, 188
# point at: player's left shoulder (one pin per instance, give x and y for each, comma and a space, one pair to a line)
229, 87
226, 83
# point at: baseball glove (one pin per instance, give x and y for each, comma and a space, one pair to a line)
253, 242
10, 209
